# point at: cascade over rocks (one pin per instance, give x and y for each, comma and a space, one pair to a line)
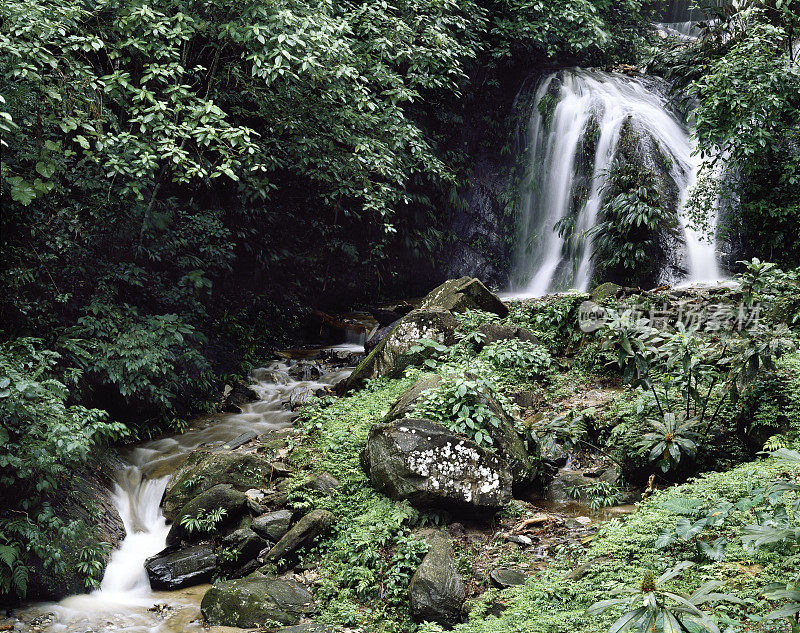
255, 601
466, 293
173, 569
390, 357
436, 592
429, 465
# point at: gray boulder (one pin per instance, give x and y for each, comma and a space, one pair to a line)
507, 442
391, 356
428, 464
436, 592
182, 568
315, 523
255, 601
234, 503
503, 578
466, 293
203, 470
272, 525
565, 481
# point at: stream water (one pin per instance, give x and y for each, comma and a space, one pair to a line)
124, 601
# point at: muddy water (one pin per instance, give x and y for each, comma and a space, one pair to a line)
124, 602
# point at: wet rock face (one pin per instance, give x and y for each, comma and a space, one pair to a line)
466, 293
203, 469
390, 357
429, 465
436, 592
182, 568
243, 547
255, 601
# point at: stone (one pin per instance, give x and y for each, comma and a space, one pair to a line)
403, 404
503, 578
312, 627
315, 523
493, 332
243, 546
554, 454
466, 293
322, 482
429, 465
436, 592
559, 488
390, 357
235, 396
255, 601
272, 525
508, 443
203, 470
378, 336
606, 291
221, 496
173, 569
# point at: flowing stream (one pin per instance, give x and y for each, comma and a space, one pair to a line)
575, 113
124, 601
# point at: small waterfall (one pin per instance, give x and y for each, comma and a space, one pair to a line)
573, 137
124, 601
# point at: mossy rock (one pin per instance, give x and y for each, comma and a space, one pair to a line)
203, 469
466, 293
606, 291
391, 356
436, 592
255, 601
220, 497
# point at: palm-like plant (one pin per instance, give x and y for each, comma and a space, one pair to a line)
650, 608
673, 436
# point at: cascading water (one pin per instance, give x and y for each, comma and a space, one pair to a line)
124, 600
573, 137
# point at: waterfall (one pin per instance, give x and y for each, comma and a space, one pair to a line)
572, 138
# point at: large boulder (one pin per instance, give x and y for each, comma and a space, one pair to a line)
429, 464
203, 469
466, 293
507, 442
220, 497
315, 523
391, 356
173, 569
255, 601
436, 592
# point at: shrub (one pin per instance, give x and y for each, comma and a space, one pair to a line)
43, 442
519, 355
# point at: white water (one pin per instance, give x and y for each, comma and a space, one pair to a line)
544, 262
124, 599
